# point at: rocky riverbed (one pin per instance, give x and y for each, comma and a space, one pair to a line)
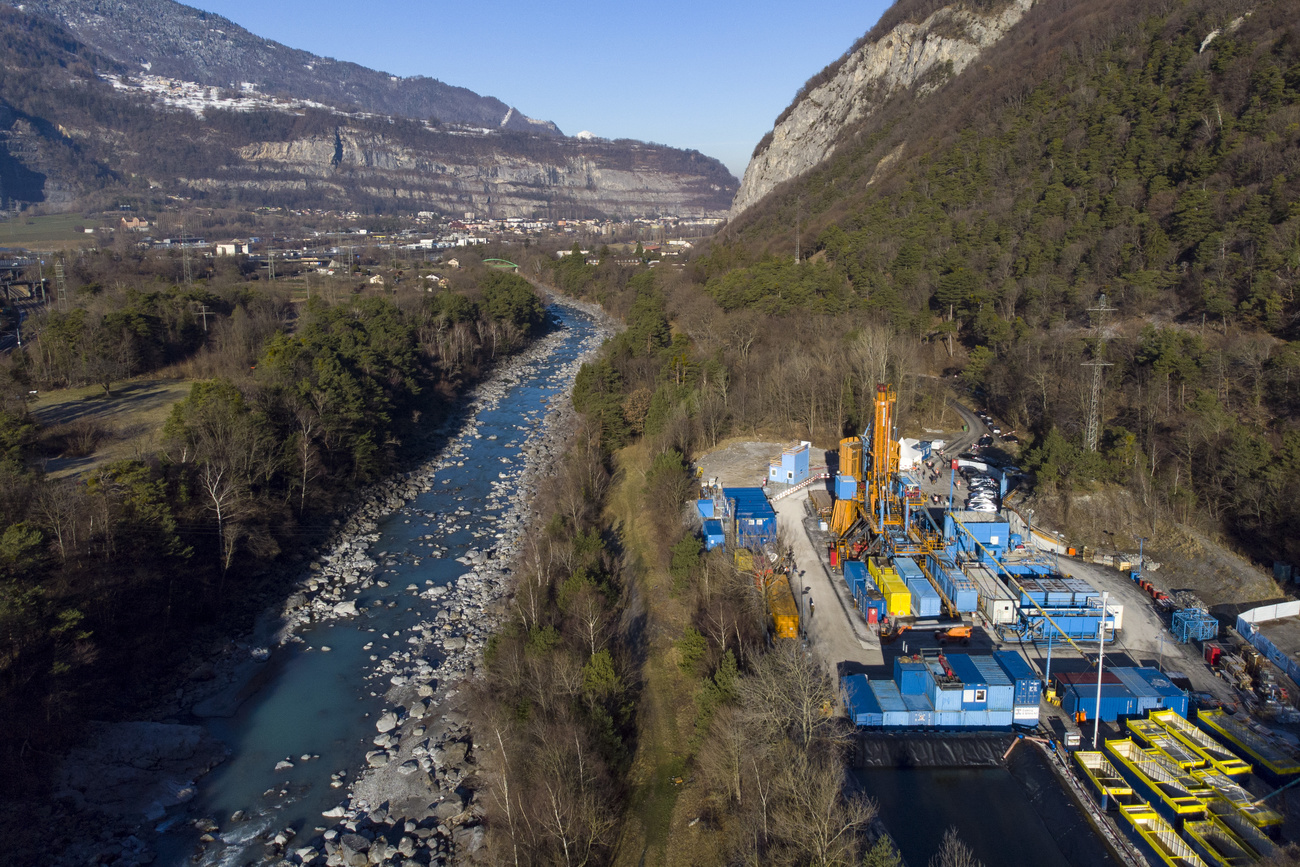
412, 799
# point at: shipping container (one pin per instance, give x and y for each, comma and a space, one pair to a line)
860, 702
910, 676
704, 507
892, 708
975, 719
1116, 701
898, 599
920, 713
925, 599
1029, 687
943, 690
846, 487
975, 691
1026, 714
1001, 718
1173, 697
1001, 689
713, 535
908, 570
949, 718
782, 607
855, 575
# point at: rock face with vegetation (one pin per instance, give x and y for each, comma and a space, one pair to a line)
917, 54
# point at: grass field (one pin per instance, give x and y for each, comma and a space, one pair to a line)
126, 425
20, 230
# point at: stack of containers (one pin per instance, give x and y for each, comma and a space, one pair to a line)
920, 713
1029, 689
962, 591
898, 599
925, 599
1152, 690
1002, 691
910, 675
944, 691
866, 598
1078, 691
755, 518
892, 709
912, 678
974, 694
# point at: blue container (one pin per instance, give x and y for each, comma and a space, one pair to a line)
1158, 690
855, 575
1001, 718
1029, 689
925, 599
860, 702
975, 718
910, 676
1116, 701
975, 690
868, 599
846, 487
908, 570
705, 508
946, 698
894, 712
713, 535
919, 712
948, 718
1001, 693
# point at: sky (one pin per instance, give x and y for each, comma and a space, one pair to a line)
711, 76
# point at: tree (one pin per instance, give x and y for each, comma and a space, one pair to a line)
954, 853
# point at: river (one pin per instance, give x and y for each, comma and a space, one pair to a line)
321, 696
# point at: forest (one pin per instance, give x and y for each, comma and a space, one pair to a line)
111, 578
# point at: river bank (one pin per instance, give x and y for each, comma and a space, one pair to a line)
408, 799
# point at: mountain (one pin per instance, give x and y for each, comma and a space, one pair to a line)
172, 40
228, 124
917, 54
1131, 165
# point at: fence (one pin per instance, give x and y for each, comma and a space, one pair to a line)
1247, 625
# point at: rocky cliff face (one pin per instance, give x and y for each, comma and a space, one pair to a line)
912, 55
569, 178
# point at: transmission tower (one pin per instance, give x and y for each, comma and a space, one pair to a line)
185, 257
61, 286
1097, 315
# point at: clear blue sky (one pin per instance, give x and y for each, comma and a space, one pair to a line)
711, 76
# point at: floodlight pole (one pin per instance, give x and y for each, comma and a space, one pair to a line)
1101, 654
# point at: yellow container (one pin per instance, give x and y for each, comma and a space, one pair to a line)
898, 599
784, 611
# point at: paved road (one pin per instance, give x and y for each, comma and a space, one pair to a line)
836, 630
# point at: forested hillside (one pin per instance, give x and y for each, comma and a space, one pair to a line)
1147, 151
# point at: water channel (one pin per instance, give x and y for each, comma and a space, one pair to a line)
319, 702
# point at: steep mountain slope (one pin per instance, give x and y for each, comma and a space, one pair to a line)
918, 53
170, 39
1148, 151
75, 124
